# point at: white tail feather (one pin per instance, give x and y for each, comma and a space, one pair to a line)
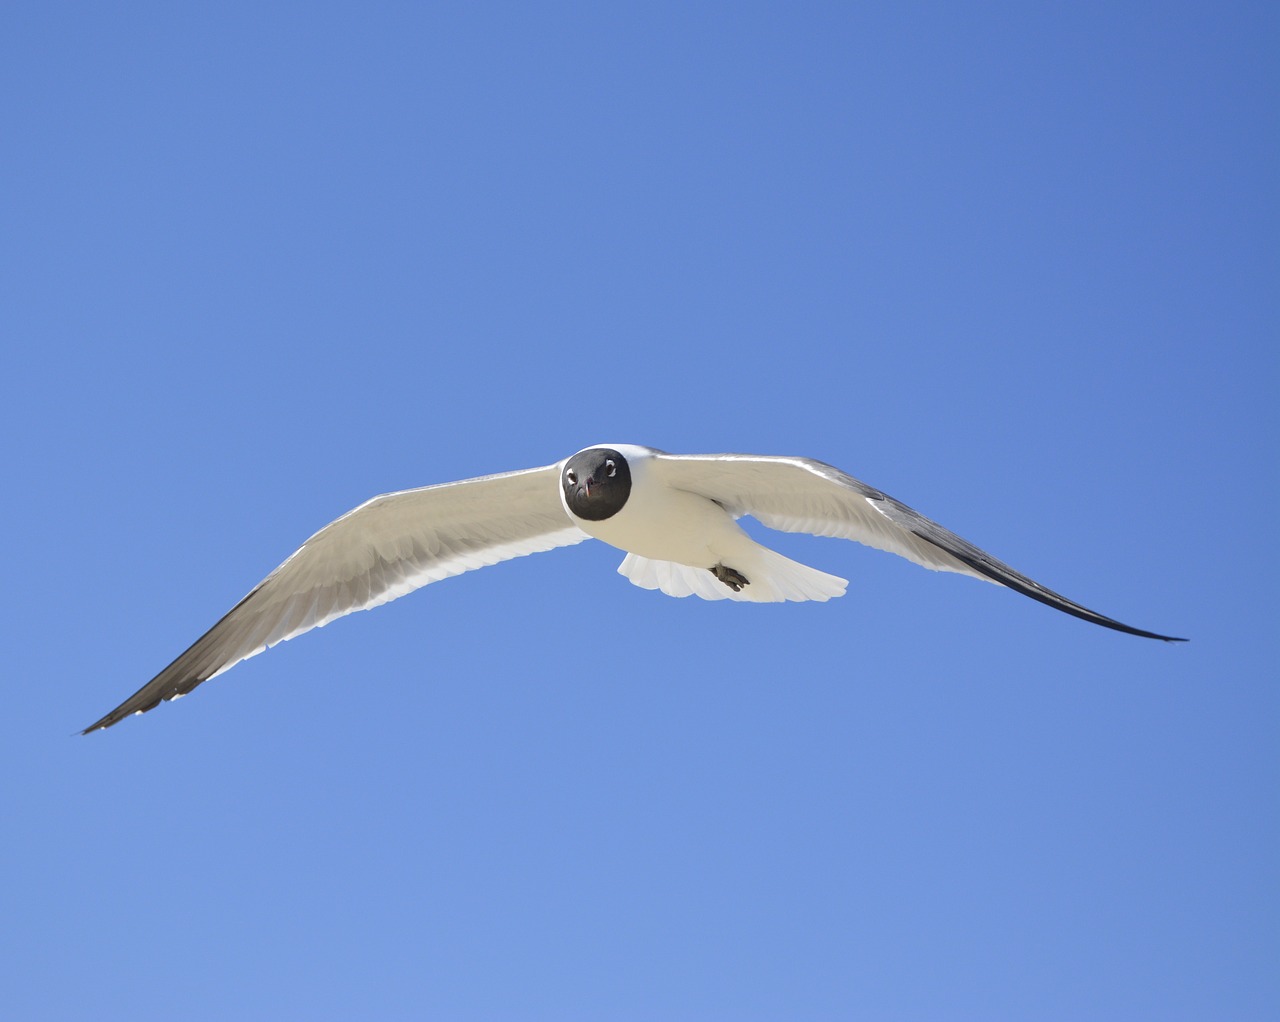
771, 578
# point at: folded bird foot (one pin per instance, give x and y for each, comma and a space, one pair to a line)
735, 580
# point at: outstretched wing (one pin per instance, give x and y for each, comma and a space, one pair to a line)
803, 495
383, 549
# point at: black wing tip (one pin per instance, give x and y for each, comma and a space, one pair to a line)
98, 725
125, 710
1010, 579
1094, 618
105, 722
1138, 631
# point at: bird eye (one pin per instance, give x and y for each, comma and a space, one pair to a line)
611, 468
571, 475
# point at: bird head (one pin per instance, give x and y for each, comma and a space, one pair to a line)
596, 483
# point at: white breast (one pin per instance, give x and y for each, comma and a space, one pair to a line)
665, 524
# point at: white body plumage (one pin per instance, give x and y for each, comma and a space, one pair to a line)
675, 537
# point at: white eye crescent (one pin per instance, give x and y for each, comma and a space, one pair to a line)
571, 475
611, 469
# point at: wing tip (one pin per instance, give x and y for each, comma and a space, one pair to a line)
103, 723
122, 711
98, 725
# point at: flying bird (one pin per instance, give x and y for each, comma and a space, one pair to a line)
675, 516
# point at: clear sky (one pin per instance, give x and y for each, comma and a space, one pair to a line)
1017, 265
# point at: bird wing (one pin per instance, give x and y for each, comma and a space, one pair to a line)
379, 551
803, 495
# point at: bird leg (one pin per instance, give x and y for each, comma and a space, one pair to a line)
735, 580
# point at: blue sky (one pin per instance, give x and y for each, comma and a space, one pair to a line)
1014, 264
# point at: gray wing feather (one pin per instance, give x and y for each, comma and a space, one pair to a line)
803, 495
379, 551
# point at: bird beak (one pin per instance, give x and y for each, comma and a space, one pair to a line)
587, 486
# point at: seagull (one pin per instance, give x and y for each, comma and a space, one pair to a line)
675, 516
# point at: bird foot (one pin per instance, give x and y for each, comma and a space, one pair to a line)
735, 580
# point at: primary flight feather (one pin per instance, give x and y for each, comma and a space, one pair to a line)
674, 515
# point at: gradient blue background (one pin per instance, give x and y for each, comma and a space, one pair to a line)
1015, 264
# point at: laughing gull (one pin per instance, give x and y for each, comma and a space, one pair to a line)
674, 515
